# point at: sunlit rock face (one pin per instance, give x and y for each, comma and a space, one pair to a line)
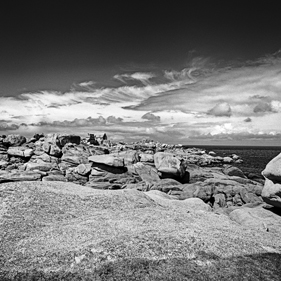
271, 192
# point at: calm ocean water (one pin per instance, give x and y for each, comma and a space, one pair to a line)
254, 158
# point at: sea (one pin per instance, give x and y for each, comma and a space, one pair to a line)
255, 158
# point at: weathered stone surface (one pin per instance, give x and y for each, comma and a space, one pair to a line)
146, 172
104, 185
259, 218
198, 173
83, 169
20, 151
41, 166
54, 178
233, 171
220, 200
3, 164
147, 157
271, 193
14, 140
272, 170
166, 185
51, 145
169, 164
75, 154
108, 159
193, 204
129, 156
114, 181
97, 150
227, 159
4, 157
141, 186
45, 157
52, 149
16, 175
72, 176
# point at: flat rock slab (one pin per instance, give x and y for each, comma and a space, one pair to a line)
258, 218
108, 159
64, 231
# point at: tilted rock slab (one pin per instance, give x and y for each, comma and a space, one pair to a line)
108, 159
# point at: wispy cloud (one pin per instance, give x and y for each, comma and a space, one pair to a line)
143, 77
203, 100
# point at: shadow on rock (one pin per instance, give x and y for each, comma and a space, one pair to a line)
203, 266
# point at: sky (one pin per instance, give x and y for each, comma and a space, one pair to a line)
207, 72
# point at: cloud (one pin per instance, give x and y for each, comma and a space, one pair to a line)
221, 109
203, 100
262, 107
151, 117
113, 119
77, 122
143, 77
4, 126
86, 84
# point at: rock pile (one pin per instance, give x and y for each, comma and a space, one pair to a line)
146, 165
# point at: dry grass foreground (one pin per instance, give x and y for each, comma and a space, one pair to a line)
64, 231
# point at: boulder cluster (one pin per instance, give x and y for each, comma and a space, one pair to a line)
145, 165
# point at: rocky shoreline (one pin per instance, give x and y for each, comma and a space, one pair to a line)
145, 165
73, 207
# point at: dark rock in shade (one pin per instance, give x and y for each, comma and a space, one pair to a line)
14, 140
110, 169
92, 139
63, 139
233, 171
